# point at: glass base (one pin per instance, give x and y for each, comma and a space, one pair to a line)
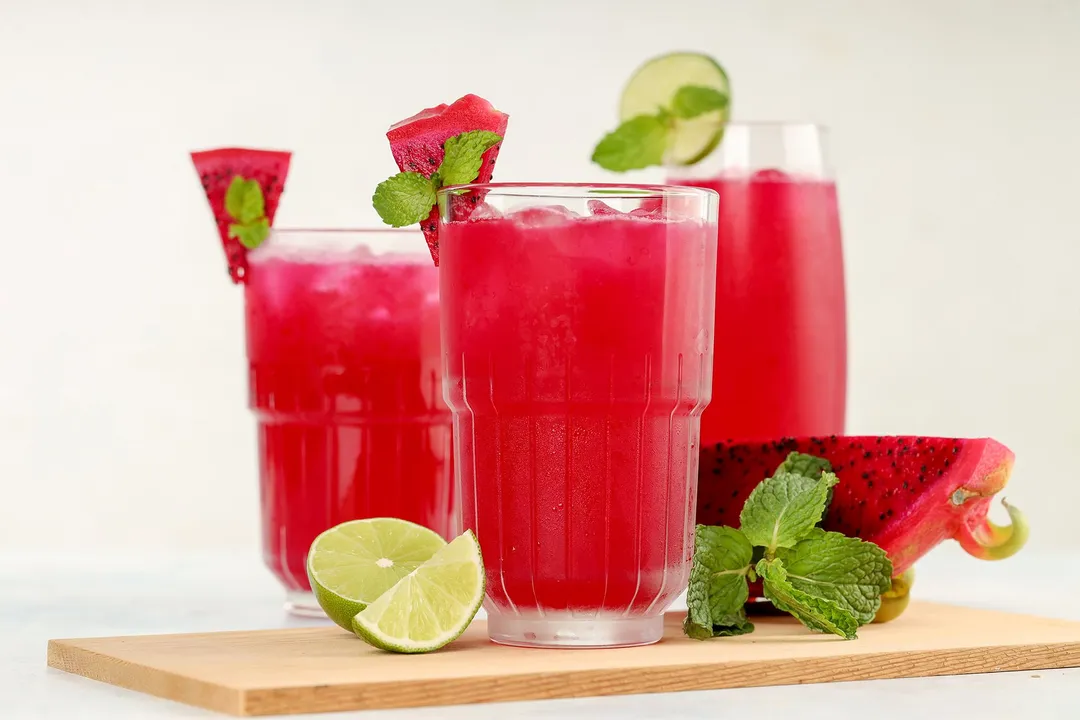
302, 604
558, 630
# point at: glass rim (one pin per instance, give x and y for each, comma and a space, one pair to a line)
572, 191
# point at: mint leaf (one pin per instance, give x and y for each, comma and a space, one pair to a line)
812, 610
404, 199
784, 508
252, 234
696, 628
690, 101
848, 571
718, 589
244, 200
464, 155
638, 143
806, 465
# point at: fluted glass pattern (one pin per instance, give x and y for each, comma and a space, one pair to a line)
578, 358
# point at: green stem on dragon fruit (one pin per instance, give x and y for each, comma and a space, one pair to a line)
989, 541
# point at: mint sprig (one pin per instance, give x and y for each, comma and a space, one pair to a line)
638, 143
245, 204
690, 101
849, 572
784, 509
407, 198
643, 141
828, 581
404, 199
717, 594
809, 466
813, 611
463, 156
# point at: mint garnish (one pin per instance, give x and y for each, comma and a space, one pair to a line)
812, 610
784, 509
245, 204
691, 101
638, 143
849, 572
642, 141
826, 580
809, 466
464, 154
408, 197
718, 591
404, 199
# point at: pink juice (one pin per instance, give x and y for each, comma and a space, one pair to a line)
780, 367
578, 361
345, 382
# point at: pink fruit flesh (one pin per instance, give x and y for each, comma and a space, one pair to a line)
417, 146
217, 168
906, 494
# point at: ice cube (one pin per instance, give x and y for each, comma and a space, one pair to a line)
485, 211
360, 254
599, 207
545, 216
670, 208
651, 207
645, 212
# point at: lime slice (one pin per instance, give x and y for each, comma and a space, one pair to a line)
353, 563
430, 607
653, 86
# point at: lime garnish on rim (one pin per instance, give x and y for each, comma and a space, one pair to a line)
672, 110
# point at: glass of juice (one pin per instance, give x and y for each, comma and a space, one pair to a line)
346, 386
780, 312
577, 346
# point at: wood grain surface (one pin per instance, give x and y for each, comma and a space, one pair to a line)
272, 672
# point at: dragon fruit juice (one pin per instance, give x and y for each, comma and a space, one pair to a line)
578, 359
345, 382
781, 363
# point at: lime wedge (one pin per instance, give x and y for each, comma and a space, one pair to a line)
653, 86
353, 563
431, 606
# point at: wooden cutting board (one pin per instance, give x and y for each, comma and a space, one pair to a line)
306, 670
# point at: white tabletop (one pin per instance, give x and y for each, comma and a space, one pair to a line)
49, 596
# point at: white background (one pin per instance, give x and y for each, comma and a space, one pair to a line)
956, 134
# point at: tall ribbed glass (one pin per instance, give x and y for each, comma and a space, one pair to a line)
577, 345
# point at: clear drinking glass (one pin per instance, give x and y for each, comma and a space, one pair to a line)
780, 306
577, 335
345, 383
